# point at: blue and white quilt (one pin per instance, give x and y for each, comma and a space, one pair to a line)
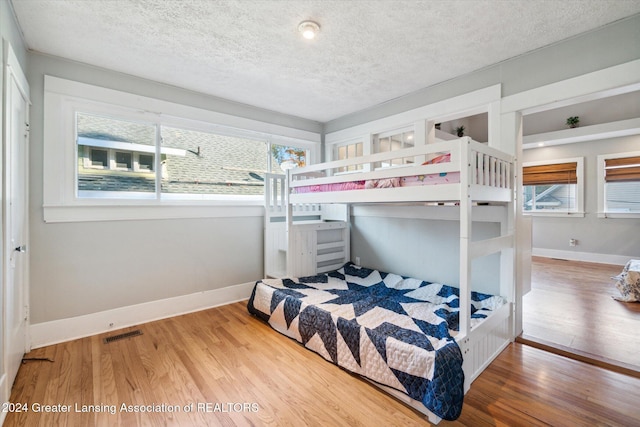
394, 330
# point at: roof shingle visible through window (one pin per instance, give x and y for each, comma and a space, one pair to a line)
213, 164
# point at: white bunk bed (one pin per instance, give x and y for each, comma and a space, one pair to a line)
480, 175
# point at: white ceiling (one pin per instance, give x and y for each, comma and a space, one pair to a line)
249, 51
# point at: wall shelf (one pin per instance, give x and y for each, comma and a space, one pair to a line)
582, 134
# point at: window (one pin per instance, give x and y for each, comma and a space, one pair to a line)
145, 162
619, 185
109, 148
286, 157
392, 141
123, 160
98, 159
106, 150
553, 188
193, 162
349, 150
212, 164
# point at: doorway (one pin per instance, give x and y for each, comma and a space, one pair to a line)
577, 245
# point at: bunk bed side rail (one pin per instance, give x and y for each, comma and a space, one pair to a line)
438, 147
275, 202
489, 166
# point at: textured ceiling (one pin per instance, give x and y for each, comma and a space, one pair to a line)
249, 51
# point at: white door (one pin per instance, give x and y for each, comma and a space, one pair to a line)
15, 221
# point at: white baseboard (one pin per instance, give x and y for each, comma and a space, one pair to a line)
582, 256
56, 331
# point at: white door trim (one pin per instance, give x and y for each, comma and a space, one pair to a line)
13, 78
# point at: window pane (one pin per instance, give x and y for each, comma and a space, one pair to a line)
207, 163
556, 197
99, 158
385, 145
408, 143
351, 154
283, 157
527, 199
342, 152
622, 196
408, 139
351, 149
394, 142
145, 162
123, 160
105, 153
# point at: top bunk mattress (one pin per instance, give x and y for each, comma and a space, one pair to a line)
404, 181
394, 330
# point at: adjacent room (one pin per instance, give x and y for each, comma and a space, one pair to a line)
575, 305
289, 212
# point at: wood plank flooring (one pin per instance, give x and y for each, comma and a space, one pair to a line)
258, 377
570, 308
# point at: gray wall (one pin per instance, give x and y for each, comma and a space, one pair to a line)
83, 268
608, 46
611, 236
424, 249
10, 31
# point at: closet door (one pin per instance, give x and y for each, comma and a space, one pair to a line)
15, 224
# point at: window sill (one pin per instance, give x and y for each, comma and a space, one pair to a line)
555, 214
151, 211
618, 214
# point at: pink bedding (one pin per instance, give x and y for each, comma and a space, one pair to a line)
407, 181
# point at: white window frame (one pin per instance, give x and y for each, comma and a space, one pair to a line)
334, 148
602, 212
136, 162
579, 209
63, 98
88, 162
376, 145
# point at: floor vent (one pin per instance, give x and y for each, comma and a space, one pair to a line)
113, 338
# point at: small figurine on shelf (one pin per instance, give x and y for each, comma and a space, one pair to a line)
460, 130
573, 122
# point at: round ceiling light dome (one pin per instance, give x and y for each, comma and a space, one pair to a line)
309, 29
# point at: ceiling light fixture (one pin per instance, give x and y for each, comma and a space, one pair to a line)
309, 29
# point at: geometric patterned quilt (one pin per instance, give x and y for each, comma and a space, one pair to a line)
394, 330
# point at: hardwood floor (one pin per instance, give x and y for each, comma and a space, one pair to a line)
259, 377
570, 308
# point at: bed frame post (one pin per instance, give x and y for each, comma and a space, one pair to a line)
466, 174
288, 222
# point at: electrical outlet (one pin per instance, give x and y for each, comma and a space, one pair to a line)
357, 260
573, 242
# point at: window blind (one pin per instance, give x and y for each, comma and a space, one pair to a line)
622, 169
557, 173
